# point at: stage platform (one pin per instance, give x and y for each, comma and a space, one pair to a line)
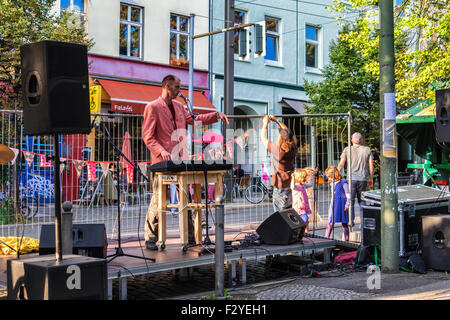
173, 258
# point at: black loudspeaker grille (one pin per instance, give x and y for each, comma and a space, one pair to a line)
282, 227
55, 84
43, 278
443, 115
62, 114
436, 242
61, 53
88, 240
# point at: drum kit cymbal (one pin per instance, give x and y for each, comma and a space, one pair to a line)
6, 154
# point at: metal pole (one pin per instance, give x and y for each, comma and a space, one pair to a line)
389, 195
191, 76
228, 90
220, 248
67, 228
229, 61
57, 184
313, 147
245, 25
349, 165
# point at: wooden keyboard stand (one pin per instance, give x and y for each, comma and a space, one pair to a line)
183, 180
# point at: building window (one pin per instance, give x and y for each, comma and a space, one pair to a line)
272, 39
130, 43
179, 40
312, 47
239, 18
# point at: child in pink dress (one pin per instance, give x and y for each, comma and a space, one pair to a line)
300, 200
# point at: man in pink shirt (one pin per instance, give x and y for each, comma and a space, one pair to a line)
164, 133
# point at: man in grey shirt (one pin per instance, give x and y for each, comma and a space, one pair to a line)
362, 169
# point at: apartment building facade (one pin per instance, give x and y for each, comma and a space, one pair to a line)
137, 43
297, 39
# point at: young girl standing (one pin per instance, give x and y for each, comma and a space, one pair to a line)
340, 202
300, 200
312, 174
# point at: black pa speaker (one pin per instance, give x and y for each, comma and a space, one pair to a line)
282, 227
443, 115
88, 240
55, 87
436, 242
44, 278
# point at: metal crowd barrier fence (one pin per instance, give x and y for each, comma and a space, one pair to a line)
88, 171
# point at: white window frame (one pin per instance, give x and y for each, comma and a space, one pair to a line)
276, 35
244, 20
179, 32
317, 45
129, 24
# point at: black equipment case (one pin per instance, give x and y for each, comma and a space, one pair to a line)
414, 202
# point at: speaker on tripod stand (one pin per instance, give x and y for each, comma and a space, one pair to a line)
56, 101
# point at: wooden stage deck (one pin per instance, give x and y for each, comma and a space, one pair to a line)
173, 258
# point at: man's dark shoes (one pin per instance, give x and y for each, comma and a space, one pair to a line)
151, 245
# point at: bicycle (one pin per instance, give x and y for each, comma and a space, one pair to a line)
257, 193
29, 204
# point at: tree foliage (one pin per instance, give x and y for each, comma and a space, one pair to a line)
28, 21
422, 34
348, 86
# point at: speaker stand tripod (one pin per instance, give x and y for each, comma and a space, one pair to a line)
118, 153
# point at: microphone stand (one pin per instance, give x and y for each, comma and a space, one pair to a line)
188, 104
207, 240
315, 190
117, 154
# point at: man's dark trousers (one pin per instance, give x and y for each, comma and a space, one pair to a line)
357, 188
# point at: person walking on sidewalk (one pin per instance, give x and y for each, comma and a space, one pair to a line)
162, 118
340, 201
361, 170
283, 152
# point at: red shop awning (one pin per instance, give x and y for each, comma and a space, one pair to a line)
127, 97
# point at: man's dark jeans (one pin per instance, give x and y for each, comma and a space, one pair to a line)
357, 188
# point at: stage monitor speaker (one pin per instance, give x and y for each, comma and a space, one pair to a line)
55, 85
44, 278
443, 115
282, 227
88, 240
436, 242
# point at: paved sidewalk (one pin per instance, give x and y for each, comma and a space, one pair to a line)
350, 285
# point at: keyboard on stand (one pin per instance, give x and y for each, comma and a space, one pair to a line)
170, 166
